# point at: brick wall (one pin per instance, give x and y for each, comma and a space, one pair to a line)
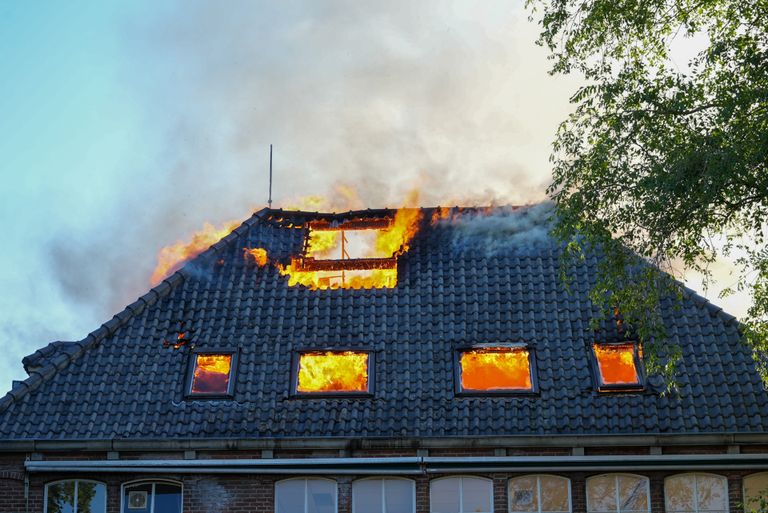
217, 493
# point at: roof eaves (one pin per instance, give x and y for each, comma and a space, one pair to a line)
40, 375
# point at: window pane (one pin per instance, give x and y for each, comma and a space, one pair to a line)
399, 495
523, 494
289, 496
211, 374
616, 364
678, 491
712, 493
321, 496
333, 372
61, 497
167, 498
91, 497
367, 496
633, 494
601, 493
138, 498
444, 496
554, 493
755, 488
495, 369
477, 495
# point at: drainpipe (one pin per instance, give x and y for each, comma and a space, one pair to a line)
26, 491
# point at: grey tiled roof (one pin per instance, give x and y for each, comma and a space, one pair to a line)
456, 286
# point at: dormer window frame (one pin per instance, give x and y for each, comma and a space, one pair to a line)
601, 387
296, 360
459, 390
233, 352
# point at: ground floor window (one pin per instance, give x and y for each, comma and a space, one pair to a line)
75, 496
152, 497
387, 495
756, 492
618, 493
539, 494
461, 495
696, 493
305, 496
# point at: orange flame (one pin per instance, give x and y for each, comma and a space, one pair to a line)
392, 242
172, 257
211, 374
333, 372
259, 255
617, 364
495, 369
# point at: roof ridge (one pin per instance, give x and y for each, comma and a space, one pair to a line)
43, 374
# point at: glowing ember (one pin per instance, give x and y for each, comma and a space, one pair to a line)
388, 242
211, 374
170, 258
617, 364
333, 372
495, 369
259, 255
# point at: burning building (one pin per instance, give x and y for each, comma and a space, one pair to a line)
382, 361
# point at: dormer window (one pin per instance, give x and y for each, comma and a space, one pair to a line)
332, 372
495, 370
617, 366
353, 252
211, 374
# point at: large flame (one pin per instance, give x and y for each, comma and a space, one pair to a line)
333, 372
389, 242
211, 374
495, 369
617, 364
170, 258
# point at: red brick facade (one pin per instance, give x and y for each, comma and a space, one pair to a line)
219, 493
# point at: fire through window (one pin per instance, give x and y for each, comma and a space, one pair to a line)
353, 253
617, 366
211, 374
495, 370
333, 372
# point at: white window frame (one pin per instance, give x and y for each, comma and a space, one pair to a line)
383, 490
695, 475
461, 490
153, 482
616, 476
77, 488
744, 486
538, 491
306, 490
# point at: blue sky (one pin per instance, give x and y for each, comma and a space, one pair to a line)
68, 129
124, 126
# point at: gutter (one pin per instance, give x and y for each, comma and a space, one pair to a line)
538, 441
411, 465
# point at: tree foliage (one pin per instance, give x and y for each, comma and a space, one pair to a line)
660, 158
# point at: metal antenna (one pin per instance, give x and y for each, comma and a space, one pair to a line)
269, 203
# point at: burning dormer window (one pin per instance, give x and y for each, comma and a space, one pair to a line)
318, 373
354, 252
617, 366
495, 370
211, 374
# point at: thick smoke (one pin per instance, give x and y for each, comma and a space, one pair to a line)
385, 97
504, 230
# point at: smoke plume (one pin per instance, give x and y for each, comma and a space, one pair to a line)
363, 102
